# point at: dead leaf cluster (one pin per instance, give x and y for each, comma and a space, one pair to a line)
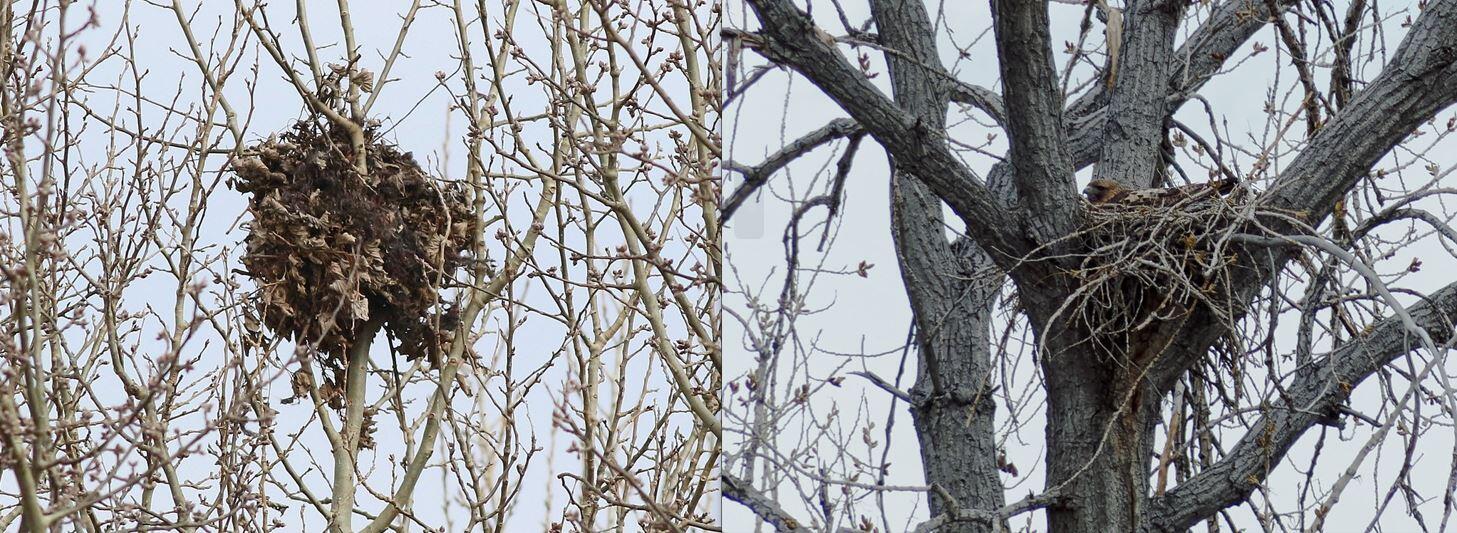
336, 253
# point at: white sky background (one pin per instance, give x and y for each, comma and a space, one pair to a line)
869, 317
418, 117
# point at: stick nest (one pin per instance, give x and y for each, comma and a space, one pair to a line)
336, 253
1148, 266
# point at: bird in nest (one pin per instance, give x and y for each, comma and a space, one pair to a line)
1109, 192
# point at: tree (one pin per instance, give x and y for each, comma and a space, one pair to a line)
1215, 386
236, 301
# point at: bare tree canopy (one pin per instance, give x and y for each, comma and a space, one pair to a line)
1151, 366
1064, 265
359, 266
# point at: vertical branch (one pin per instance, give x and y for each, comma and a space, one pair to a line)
1043, 166
389, 62
351, 50
346, 455
569, 27
32, 515
354, 126
206, 71
1135, 129
315, 66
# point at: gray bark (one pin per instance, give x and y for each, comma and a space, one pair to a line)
1099, 419
1041, 167
1134, 128
739, 490
791, 38
949, 290
1194, 64
1313, 392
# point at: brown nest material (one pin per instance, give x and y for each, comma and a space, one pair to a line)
336, 253
1146, 267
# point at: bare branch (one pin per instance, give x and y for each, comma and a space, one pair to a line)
758, 175
1418, 81
1138, 107
765, 507
1316, 390
981, 98
791, 38
1199, 59
1042, 168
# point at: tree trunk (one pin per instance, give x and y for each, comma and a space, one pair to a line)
951, 291
954, 410
1101, 414
1103, 406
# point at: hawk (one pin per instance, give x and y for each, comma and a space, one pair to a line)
1111, 192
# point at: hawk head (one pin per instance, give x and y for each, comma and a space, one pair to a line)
1103, 191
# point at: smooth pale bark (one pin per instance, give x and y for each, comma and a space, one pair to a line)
346, 454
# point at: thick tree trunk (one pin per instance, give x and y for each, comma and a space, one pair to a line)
951, 290
1102, 411
1099, 441
1101, 418
954, 410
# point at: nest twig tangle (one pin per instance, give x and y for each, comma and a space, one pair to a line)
1146, 267
337, 254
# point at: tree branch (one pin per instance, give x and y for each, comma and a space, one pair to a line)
1196, 62
1138, 107
790, 38
1030, 503
1317, 389
758, 175
981, 98
951, 305
1043, 174
1419, 81
766, 509
346, 454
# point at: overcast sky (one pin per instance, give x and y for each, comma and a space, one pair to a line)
418, 122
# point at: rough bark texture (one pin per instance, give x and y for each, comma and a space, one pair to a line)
1315, 390
1135, 125
793, 39
1100, 414
949, 292
1042, 171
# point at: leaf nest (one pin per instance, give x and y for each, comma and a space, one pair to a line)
1144, 266
333, 250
